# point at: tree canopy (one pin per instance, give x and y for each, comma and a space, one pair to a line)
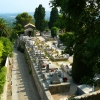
39, 16
4, 28
22, 19
53, 17
6, 49
83, 19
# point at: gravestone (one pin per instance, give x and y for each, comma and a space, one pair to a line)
55, 79
47, 68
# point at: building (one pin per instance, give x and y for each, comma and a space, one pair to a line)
29, 29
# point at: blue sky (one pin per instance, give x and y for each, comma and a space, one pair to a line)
16, 6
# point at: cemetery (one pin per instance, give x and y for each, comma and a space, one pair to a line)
51, 77
51, 70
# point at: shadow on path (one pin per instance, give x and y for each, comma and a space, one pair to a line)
25, 83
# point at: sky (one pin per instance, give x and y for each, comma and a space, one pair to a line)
17, 6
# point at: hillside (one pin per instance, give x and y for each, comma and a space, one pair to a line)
10, 17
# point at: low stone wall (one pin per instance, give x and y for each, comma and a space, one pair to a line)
44, 93
60, 59
56, 59
59, 88
90, 96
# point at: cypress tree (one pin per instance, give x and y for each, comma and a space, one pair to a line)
39, 16
53, 17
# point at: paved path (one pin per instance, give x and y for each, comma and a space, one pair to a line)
23, 86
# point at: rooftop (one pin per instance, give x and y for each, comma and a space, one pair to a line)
29, 24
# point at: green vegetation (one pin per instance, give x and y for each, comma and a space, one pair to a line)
3, 72
5, 29
46, 25
13, 35
39, 16
5, 50
71, 98
60, 23
2, 26
68, 39
82, 19
21, 20
54, 32
53, 17
8, 33
87, 80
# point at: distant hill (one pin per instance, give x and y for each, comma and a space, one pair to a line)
10, 17
46, 16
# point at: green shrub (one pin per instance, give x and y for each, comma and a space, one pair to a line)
3, 72
87, 80
71, 99
46, 29
54, 31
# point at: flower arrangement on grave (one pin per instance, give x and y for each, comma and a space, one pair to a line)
43, 65
52, 69
65, 79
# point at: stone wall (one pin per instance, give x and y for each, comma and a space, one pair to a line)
90, 96
55, 59
59, 88
44, 93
